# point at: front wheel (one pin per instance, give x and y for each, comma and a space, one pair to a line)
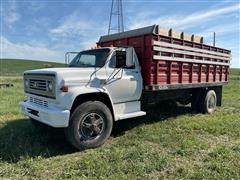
90, 125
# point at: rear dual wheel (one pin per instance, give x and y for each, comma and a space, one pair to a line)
204, 101
210, 102
90, 125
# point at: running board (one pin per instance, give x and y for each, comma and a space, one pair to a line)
130, 115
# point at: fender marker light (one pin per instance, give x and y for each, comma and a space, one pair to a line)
64, 88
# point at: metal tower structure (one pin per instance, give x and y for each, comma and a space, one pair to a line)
117, 13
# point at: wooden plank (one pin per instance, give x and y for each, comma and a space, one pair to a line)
158, 43
175, 34
167, 58
186, 37
197, 39
162, 49
163, 31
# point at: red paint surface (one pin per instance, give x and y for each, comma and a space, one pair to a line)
159, 72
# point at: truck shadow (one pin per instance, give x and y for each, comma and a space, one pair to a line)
20, 139
155, 113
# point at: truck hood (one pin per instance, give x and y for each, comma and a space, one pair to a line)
71, 75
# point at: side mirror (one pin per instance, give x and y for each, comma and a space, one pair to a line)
120, 59
69, 56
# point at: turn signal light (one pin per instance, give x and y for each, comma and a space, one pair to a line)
64, 89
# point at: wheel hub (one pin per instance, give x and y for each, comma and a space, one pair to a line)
211, 102
91, 126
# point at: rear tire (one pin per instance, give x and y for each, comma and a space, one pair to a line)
90, 125
209, 102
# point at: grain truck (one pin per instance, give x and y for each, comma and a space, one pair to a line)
111, 82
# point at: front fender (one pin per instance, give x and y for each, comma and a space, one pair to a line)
68, 98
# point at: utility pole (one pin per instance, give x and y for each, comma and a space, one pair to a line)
214, 38
116, 14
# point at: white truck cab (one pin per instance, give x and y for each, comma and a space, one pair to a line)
98, 87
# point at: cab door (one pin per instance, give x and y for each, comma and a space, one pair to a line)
124, 77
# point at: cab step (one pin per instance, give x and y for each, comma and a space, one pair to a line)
130, 115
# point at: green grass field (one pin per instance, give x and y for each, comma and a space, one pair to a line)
13, 67
168, 143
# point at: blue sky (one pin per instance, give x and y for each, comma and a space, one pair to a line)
45, 30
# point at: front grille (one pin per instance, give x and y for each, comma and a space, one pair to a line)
38, 84
39, 101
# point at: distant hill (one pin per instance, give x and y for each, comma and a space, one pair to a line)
15, 67
235, 74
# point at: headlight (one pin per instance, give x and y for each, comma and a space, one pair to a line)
50, 86
26, 83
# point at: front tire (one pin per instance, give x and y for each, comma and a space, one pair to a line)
90, 125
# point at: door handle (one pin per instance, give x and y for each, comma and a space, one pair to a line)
132, 79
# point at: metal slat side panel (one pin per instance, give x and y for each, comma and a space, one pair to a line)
198, 63
184, 52
188, 73
176, 46
193, 64
166, 58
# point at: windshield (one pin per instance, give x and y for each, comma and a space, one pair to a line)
90, 58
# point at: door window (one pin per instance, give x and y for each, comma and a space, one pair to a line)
122, 59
